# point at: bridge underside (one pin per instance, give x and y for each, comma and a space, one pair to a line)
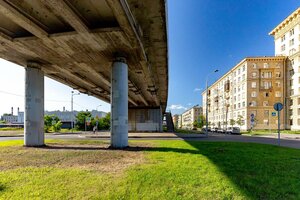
77, 42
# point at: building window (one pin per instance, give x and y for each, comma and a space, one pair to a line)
291, 92
277, 74
266, 113
253, 84
254, 74
252, 103
244, 103
239, 71
283, 38
254, 65
298, 111
234, 106
283, 47
292, 32
291, 42
298, 101
243, 77
266, 94
291, 82
278, 65
266, 85
291, 72
253, 94
239, 105
244, 68
277, 94
277, 83
265, 103
266, 74
266, 65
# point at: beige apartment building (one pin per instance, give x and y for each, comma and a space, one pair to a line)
177, 121
251, 87
287, 43
190, 116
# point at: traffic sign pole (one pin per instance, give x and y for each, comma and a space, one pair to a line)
278, 112
278, 107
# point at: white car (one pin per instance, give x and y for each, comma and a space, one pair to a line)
233, 130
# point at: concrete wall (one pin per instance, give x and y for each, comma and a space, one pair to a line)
144, 120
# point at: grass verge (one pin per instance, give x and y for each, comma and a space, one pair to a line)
159, 170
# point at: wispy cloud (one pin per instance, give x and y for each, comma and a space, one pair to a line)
177, 107
198, 89
189, 104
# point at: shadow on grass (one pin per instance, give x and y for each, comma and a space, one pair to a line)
2, 187
90, 148
259, 171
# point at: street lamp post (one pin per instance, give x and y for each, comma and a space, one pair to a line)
206, 118
72, 112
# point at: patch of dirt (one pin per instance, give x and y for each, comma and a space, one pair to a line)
89, 157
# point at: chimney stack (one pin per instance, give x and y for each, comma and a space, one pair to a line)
12, 110
18, 110
64, 109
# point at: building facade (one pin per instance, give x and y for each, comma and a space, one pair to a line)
177, 121
287, 43
248, 91
190, 116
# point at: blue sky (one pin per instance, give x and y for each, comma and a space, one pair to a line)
204, 35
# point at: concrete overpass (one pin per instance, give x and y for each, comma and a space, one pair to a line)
115, 50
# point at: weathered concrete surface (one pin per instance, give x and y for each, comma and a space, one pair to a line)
76, 41
34, 106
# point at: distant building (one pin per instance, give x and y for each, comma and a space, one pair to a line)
190, 116
13, 119
177, 121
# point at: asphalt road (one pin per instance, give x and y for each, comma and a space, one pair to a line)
292, 141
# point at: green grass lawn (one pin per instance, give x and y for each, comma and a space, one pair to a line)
266, 132
153, 170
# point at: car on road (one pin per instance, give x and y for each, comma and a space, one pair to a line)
233, 130
220, 130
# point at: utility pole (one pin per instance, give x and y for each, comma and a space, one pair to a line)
72, 111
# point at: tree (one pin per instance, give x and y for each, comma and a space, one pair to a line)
232, 122
240, 120
200, 122
104, 123
81, 118
51, 123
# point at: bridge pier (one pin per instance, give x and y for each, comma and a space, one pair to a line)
34, 105
119, 103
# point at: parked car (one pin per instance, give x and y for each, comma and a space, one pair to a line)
214, 129
220, 130
233, 130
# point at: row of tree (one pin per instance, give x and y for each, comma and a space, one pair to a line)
201, 121
84, 121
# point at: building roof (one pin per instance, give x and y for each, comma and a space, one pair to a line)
285, 22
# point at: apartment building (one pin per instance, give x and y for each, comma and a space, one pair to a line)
248, 90
177, 121
287, 43
190, 116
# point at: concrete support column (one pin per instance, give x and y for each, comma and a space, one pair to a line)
34, 105
119, 103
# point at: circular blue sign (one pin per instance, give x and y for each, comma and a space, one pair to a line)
278, 106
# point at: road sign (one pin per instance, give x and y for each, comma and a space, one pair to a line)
274, 114
278, 106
